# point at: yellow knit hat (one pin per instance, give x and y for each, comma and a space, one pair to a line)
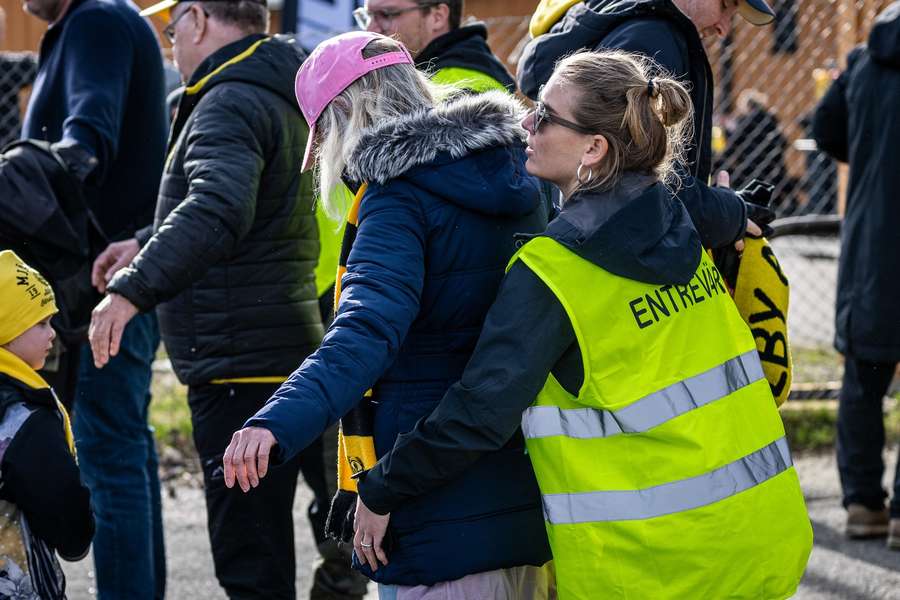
25, 297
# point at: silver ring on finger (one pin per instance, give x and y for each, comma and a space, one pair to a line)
365, 545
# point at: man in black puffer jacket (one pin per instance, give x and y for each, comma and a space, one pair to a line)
229, 264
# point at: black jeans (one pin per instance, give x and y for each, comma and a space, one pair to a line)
252, 534
860, 439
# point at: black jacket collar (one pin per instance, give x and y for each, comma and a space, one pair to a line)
225, 53
637, 230
465, 47
12, 391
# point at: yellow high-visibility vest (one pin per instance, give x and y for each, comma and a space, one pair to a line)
668, 475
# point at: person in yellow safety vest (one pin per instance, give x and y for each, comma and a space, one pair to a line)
660, 454
451, 52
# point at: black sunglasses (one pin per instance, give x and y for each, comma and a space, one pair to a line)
544, 114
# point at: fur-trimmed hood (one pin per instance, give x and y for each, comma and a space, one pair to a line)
468, 151
458, 128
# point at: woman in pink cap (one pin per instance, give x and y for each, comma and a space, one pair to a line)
442, 191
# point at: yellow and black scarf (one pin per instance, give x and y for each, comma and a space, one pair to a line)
18, 369
356, 446
761, 292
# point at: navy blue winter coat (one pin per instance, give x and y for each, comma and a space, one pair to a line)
448, 190
857, 121
100, 84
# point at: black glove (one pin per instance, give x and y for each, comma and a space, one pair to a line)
78, 160
757, 196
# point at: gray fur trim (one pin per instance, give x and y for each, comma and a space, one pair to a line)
459, 127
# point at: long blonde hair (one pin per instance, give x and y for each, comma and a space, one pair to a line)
386, 93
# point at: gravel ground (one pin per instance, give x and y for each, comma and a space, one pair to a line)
839, 569
190, 567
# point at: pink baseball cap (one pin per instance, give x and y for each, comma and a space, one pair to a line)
333, 65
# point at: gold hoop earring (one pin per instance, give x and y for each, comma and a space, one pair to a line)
578, 175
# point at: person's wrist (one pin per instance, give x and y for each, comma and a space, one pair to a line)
77, 158
373, 494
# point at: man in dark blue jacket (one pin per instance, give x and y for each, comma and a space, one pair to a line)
99, 98
856, 122
671, 33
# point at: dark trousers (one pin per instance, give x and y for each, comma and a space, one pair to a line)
860, 439
252, 534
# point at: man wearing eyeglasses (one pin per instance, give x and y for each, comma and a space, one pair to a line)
228, 266
454, 54
99, 98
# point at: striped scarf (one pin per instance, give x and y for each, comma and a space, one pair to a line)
356, 446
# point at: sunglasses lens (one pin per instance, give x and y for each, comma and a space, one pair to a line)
540, 114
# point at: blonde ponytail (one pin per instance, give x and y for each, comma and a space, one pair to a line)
643, 114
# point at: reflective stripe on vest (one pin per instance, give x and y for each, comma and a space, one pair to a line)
650, 411
677, 496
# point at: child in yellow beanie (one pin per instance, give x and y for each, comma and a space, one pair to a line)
44, 507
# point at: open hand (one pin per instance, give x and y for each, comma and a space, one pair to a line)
108, 321
246, 459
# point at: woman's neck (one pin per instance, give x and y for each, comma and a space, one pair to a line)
567, 188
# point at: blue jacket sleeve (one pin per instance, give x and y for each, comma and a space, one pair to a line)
654, 38
97, 56
718, 214
525, 333
379, 302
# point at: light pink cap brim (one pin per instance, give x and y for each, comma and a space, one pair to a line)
309, 155
331, 67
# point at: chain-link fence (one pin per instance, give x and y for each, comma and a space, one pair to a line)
17, 71
768, 81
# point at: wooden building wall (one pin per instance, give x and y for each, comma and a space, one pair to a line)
485, 9
23, 32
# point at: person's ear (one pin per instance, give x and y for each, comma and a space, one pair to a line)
200, 25
439, 18
596, 151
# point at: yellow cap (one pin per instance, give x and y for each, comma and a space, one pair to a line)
159, 7
25, 297
547, 14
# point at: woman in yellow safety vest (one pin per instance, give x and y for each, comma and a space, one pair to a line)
654, 436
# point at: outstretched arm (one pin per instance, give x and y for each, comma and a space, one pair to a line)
379, 302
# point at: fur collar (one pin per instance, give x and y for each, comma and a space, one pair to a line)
458, 127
